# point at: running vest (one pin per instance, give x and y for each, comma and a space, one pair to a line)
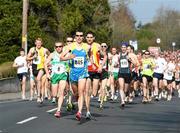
124, 64
115, 63
58, 67
147, 65
105, 66
39, 61
95, 53
81, 58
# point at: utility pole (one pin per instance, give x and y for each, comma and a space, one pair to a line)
24, 25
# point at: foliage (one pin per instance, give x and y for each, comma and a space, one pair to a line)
123, 24
52, 20
6, 70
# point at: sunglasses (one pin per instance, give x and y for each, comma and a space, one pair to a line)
69, 41
79, 35
147, 53
59, 46
103, 46
89, 37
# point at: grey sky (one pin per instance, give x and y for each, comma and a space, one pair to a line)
145, 10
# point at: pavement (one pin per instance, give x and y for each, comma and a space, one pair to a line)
18, 116
4, 97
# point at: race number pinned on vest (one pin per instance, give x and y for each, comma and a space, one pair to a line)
37, 60
79, 62
58, 69
124, 63
147, 66
170, 74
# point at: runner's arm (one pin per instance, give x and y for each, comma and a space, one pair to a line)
30, 55
63, 56
46, 65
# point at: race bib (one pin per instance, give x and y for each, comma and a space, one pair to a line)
124, 63
79, 62
147, 66
59, 68
37, 60
170, 73
104, 64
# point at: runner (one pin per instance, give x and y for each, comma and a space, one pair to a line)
135, 66
177, 75
124, 74
114, 69
37, 56
94, 71
168, 77
70, 105
158, 75
78, 72
147, 74
104, 73
58, 75
21, 64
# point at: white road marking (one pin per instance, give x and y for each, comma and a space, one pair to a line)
26, 120
49, 111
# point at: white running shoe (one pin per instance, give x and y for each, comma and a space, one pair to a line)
179, 93
115, 97
169, 97
88, 115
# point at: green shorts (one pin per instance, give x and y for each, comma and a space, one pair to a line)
57, 77
115, 75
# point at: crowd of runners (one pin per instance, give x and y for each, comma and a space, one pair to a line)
81, 70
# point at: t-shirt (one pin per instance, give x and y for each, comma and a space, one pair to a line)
147, 65
20, 60
115, 63
159, 65
168, 74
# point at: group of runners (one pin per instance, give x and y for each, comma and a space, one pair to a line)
81, 70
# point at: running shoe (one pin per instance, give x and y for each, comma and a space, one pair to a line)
156, 98
39, 99
105, 99
53, 100
23, 97
101, 106
179, 93
88, 115
123, 104
169, 97
57, 114
130, 100
31, 98
145, 100
115, 97
78, 116
126, 99
69, 107
160, 96
112, 97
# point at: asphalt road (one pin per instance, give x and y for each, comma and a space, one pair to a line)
30, 117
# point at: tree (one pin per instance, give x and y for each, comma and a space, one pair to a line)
122, 23
87, 15
52, 20
166, 26
10, 31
